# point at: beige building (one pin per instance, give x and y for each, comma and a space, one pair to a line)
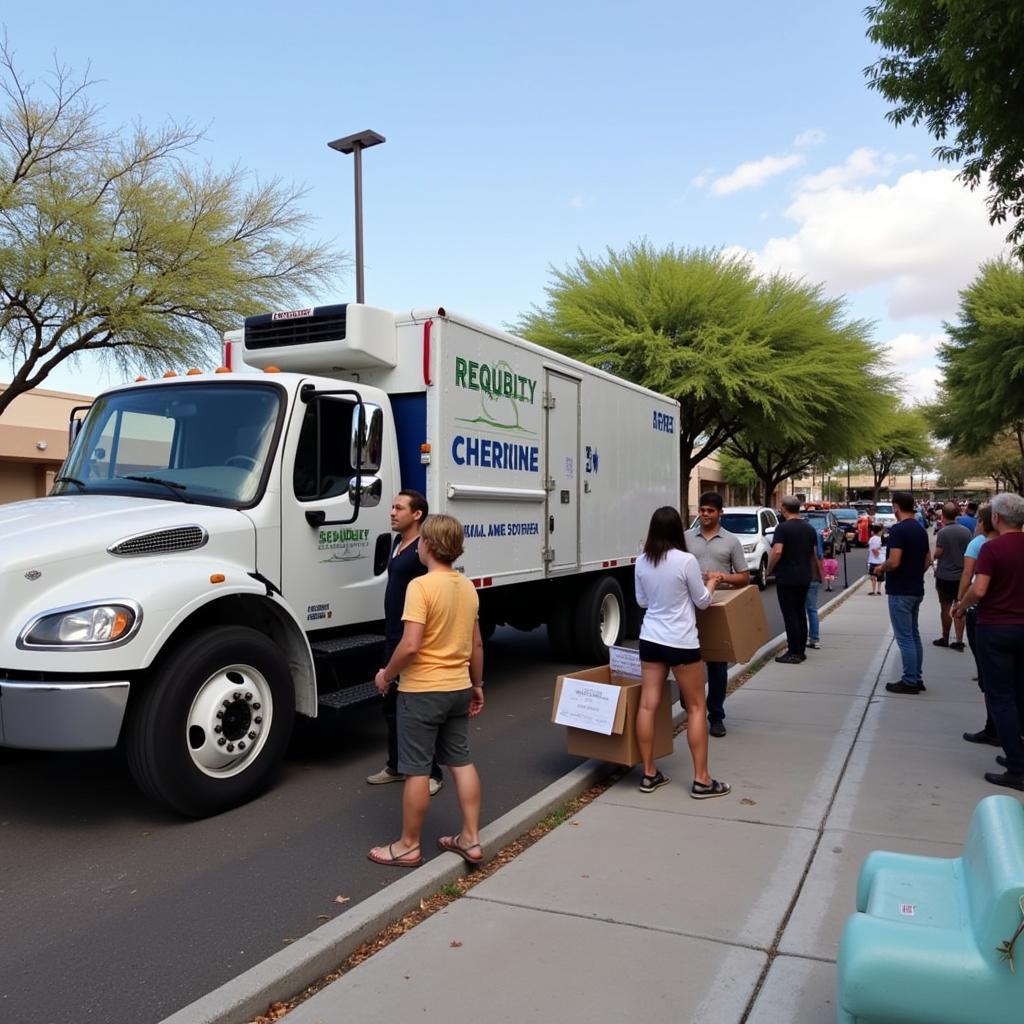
34, 441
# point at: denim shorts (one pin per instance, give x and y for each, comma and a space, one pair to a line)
671, 656
429, 722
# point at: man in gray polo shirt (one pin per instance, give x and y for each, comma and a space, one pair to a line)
719, 553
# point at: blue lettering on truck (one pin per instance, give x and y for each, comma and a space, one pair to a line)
488, 454
664, 423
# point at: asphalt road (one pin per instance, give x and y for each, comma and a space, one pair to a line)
115, 911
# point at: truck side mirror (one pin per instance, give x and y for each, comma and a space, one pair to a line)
365, 491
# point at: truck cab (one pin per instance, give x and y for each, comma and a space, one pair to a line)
241, 518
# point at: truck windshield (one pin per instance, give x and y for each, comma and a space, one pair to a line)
196, 442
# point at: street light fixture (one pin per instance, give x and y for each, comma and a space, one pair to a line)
355, 144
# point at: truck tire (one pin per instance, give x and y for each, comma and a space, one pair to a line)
762, 574
600, 619
228, 678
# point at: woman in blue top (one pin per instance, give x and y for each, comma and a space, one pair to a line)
670, 587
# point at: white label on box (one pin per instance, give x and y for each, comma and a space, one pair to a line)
624, 661
589, 706
908, 909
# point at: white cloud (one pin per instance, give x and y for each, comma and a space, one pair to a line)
921, 385
579, 202
754, 173
860, 164
811, 137
702, 179
920, 239
910, 350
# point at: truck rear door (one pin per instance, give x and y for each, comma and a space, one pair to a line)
562, 472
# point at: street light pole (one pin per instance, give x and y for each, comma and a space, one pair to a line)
355, 144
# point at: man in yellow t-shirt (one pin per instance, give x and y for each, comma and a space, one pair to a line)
440, 658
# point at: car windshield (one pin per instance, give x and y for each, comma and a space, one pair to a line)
884, 508
740, 522
846, 515
193, 442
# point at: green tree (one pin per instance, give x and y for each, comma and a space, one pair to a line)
901, 440
955, 66
981, 396
842, 395
700, 326
111, 244
736, 472
1001, 460
951, 472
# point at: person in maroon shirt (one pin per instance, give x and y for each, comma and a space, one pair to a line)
998, 590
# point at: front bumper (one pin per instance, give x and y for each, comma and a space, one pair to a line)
38, 715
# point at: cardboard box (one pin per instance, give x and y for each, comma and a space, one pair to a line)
733, 627
620, 747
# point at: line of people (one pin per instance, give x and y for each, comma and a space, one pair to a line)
980, 586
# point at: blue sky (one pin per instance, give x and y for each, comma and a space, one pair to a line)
519, 136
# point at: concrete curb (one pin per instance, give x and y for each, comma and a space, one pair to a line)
285, 974
288, 972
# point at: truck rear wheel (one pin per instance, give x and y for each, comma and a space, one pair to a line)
213, 722
600, 619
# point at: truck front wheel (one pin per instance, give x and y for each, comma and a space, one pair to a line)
600, 618
212, 723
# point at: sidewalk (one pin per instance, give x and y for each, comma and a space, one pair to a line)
718, 911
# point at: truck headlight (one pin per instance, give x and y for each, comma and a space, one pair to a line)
99, 625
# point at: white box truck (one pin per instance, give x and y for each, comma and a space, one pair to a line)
213, 557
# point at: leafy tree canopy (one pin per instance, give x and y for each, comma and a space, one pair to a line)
702, 327
111, 243
901, 440
982, 391
955, 65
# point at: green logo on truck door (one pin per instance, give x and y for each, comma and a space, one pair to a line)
344, 544
502, 391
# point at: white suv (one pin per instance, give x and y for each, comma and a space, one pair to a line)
755, 527
885, 515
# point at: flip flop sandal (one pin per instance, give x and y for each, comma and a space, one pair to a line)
451, 845
396, 861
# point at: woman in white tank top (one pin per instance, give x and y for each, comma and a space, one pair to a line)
670, 586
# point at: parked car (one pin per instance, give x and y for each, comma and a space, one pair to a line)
847, 518
886, 515
833, 537
754, 525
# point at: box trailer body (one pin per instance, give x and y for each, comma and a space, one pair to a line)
214, 557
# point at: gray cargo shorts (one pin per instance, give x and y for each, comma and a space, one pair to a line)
429, 722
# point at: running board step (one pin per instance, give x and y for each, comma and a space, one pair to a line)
358, 694
359, 642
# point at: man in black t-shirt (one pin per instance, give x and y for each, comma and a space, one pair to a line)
794, 560
909, 556
408, 511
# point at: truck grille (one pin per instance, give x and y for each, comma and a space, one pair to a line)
327, 323
161, 542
